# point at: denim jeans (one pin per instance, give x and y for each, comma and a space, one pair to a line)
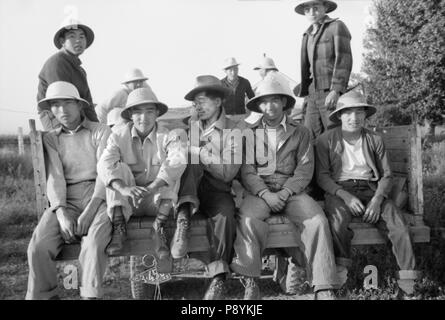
390, 224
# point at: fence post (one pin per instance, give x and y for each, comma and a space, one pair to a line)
20, 142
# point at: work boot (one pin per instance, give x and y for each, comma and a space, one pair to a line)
119, 234
251, 288
325, 295
162, 251
216, 289
179, 244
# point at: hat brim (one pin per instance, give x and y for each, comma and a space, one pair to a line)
125, 113
135, 79
330, 6
191, 95
252, 104
89, 34
45, 105
230, 66
370, 110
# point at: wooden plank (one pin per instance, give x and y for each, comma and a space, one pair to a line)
367, 236
398, 155
400, 167
416, 178
397, 142
38, 163
395, 131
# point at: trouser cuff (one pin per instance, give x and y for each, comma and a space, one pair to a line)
345, 262
91, 292
250, 271
410, 274
217, 267
41, 295
194, 201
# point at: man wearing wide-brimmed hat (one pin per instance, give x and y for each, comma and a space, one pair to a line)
240, 89
353, 169
72, 39
207, 180
141, 167
281, 190
326, 62
76, 197
133, 79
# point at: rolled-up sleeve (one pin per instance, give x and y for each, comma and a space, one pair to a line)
56, 183
100, 137
107, 167
175, 148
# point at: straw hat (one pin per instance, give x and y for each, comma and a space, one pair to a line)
269, 87
61, 90
330, 5
134, 74
204, 83
267, 64
351, 99
73, 24
139, 97
229, 62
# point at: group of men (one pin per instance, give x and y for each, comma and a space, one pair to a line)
97, 177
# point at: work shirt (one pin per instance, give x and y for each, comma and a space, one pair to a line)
216, 137
161, 154
235, 103
71, 157
64, 66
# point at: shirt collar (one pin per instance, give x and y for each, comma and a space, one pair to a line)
282, 123
220, 123
74, 59
151, 135
84, 124
326, 19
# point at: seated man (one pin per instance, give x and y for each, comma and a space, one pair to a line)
75, 195
206, 182
281, 189
141, 167
353, 169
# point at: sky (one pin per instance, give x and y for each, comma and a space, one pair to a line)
171, 41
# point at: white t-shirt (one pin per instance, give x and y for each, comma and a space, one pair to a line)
353, 162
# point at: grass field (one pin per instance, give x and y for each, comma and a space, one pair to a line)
18, 219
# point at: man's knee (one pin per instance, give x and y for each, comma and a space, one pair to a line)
39, 248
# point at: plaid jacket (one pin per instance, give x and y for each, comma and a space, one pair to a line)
332, 58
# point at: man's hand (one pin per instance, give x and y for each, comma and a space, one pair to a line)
87, 216
135, 193
273, 201
373, 210
67, 222
331, 100
354, 204
283, 194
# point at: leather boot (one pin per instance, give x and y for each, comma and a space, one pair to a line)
119, 233
179, 243
215, 290
251, 288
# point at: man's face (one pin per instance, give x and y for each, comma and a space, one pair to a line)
135, 84
272, 106
352, 119
144, 117
206, 107
67, 112
262, 72
74, 41
232, 73
314, 12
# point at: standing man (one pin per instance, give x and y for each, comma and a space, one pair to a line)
326, 63
281, 190
75, 194
133, 79
207, 180
141, 167
240, 88
353, 169
65, 65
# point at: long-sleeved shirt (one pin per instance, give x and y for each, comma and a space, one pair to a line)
64, 66
235, 103
161, 155
329, 149
294, 161
71, 157
219, 153
328, 63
